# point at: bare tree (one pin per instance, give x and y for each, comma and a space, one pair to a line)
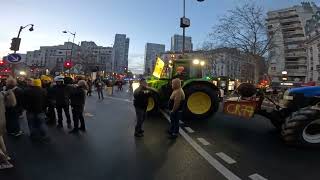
243, 28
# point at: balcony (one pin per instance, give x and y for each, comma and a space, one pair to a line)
318, 68
296, 39
293, 33
293, 19
291, 26
295, 54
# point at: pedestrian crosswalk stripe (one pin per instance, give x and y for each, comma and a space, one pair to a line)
203, 141
226, 158
189, 130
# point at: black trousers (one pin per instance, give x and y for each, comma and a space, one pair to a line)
77, 113
51, 115
66, 112
100, 94
141, 116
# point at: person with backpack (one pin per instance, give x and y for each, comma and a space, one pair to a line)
13, 113
7, 99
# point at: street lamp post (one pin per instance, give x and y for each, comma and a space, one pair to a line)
184, 23
18, 41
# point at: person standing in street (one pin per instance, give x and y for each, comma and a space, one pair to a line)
89, 82
99, 85
50, 102
62, 99
13, 113
140, 103
176, 104
78, 99
34, 103
7, 99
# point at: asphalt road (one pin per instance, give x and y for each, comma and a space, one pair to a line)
223, 147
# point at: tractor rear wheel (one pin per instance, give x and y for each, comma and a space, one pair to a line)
153, 103
302, 128
201, 101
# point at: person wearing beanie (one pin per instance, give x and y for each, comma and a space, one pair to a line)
78, 99
34, 102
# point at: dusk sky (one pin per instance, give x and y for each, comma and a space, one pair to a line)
99, 20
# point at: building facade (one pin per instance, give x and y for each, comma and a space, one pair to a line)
286, 30
152, 50
86, 58
120, 53
177, 43
313, 48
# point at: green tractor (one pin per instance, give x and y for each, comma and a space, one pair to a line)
201, 95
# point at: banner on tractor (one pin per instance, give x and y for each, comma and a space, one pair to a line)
240, 108
158, 68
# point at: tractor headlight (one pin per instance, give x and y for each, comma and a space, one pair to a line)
286, 98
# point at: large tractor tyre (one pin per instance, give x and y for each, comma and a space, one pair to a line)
201, 102
302, 128
153, 104
277, 119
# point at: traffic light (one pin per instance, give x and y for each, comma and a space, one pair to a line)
15, 44
2, 62
68, 64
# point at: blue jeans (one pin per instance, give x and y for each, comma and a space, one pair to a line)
37, 125
174, 124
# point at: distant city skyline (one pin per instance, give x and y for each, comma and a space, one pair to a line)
99, 21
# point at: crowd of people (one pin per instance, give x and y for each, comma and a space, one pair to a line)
39, 98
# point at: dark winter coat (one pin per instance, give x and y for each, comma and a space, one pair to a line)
141, 95
61, 94
34, 99
78, 96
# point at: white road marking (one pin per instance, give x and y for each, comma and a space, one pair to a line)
203, 141
120, 99
226, 158
211, 160
88, 114
189, 129
257, 177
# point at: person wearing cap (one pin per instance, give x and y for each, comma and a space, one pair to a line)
35, 105
62, 99
176, 104
140, 102
78, 99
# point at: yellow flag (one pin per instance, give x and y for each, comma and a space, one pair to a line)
158, 68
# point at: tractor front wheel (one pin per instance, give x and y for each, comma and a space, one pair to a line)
201, 102
302, 128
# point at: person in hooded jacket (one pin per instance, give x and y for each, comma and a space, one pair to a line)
62, 100
50, 102
78, 99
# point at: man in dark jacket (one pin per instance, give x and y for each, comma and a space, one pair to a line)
34, 101
78, 99
50, 102
141, 95
62, 99
13, 113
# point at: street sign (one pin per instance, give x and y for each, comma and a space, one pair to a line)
14, 58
